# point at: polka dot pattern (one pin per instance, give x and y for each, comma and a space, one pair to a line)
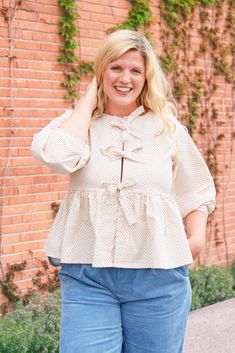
129, 191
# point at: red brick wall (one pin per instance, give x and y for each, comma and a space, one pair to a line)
32, 95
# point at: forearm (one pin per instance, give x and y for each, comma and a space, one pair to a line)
195, 226
79, 121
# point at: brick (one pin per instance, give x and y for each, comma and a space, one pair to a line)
48, 113
21, 247
37, 55
26, 218
28, 207
27, 170
16, 142
112, 3
37, 103
52, 4
43, 197
33, 84
37, 93
90, 42
50, 8
12, 229
92, 33
14, 152
19, 257
33, 236
84, 24
34, 189
35, 180
36, 46
37, 25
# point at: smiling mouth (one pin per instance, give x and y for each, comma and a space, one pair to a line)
122, 90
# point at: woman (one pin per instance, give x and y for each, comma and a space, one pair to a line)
135, 215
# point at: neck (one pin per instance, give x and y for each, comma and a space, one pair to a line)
120, 111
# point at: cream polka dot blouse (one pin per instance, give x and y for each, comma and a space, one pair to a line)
130, 188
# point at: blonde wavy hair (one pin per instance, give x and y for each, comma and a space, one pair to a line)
156, 94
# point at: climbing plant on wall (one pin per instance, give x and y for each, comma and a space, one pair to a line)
69, 32
140, 17
194, 68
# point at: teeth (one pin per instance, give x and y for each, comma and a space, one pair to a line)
123, 89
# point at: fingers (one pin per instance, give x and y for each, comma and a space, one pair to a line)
90, 96
94, 80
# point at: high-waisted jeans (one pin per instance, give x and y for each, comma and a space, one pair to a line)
123, 310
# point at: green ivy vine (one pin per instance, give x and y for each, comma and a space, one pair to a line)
196, 87
69, 32
178, 15
139, 16
177, 11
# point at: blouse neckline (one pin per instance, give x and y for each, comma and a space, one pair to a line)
138, 111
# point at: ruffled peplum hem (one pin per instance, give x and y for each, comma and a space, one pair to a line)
116, 227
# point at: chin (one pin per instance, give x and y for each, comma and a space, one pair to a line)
124, 102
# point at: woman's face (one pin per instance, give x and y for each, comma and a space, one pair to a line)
123, 81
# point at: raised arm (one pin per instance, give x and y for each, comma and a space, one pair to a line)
84, 109
63, 143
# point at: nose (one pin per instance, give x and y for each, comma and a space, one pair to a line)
125, 78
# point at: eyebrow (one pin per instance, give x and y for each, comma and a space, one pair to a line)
134, 67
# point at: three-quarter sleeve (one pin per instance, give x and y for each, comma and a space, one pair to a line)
61, 150
193, 185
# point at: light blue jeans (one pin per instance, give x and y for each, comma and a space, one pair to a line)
121, 310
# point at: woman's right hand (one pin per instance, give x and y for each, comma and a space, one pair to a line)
79, 121
90, 97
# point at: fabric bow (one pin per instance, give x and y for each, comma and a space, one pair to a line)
127, 129
112, 187
115, 153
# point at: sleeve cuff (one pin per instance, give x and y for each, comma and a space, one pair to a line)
203, 209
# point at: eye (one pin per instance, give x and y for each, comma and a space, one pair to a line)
137, 71
115, 68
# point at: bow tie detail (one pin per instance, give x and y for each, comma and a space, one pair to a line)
112, 186
115, 153
127, 129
